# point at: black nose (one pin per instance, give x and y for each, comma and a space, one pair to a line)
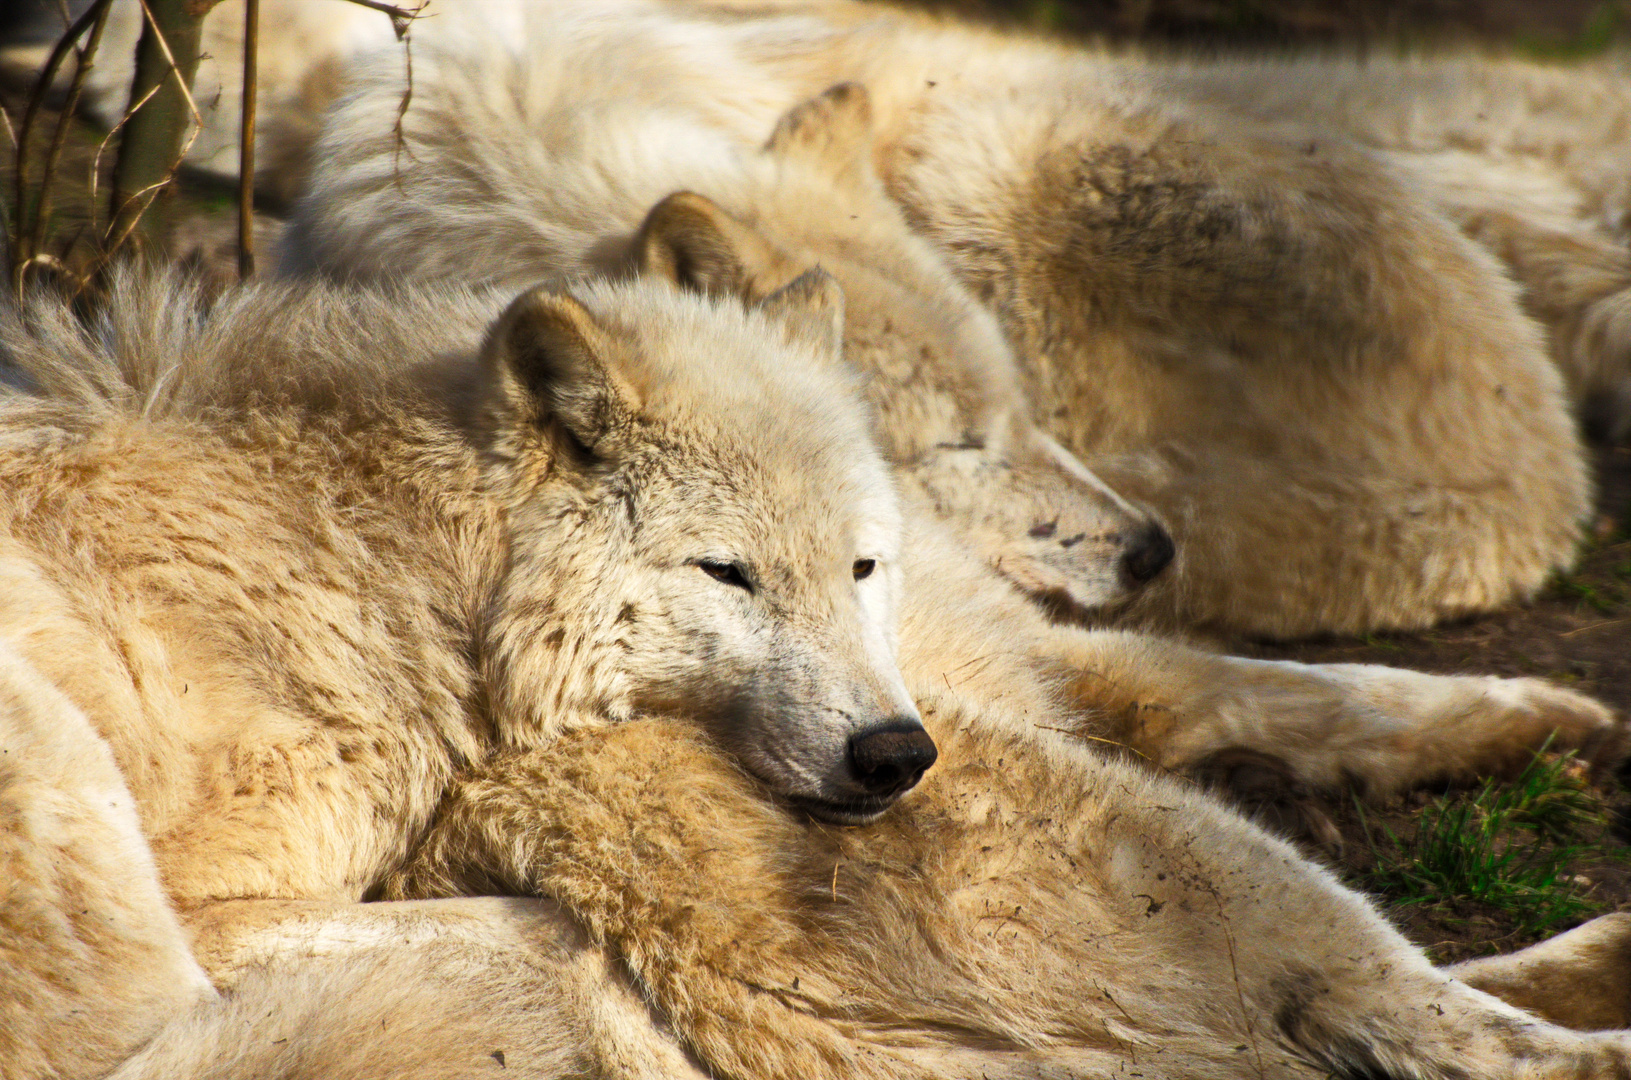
891, 757
1148, 556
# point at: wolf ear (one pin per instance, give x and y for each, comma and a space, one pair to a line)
689, 240
810, 308
547, 364
832, 131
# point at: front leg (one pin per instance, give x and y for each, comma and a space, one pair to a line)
1382, 729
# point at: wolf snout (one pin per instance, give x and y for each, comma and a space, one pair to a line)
891, 758
1148, 555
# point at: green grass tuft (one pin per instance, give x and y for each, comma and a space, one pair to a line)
1507, 846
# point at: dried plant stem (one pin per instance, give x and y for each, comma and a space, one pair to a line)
400, 17
36, 101
246, 143
85, 60
152, 147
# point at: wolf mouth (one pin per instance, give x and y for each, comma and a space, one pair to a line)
849, 812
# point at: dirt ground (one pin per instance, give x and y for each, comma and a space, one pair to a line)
1577, 632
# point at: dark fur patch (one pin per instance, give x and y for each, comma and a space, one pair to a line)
1346, 1056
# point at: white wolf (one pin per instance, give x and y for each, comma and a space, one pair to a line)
1179, 274
1333, 400
946, 409
278, 573
298, 562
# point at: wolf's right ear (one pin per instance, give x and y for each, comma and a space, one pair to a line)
831, 132
548, 366
810, 308
689, 240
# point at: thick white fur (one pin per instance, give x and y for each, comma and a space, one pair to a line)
297, 563
564, 149
1298, 261
1331, 396
291, 563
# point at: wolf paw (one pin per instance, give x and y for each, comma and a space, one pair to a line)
1572, 721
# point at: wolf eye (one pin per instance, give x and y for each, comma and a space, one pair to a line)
726, 573
863, 568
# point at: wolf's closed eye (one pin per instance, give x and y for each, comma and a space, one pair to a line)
728, 573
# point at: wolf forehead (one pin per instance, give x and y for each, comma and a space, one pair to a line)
736, 403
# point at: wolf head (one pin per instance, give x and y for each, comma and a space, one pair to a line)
952, 415
701, 526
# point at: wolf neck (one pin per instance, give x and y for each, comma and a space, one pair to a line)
555, 645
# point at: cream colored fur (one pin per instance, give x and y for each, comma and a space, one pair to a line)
299, 559
1332, 397
372, 215
315, 569
1178, 273
1032, 910
570, 196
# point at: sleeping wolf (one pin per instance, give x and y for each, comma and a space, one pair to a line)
291, 580
1331, 398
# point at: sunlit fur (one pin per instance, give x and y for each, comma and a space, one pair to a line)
526, 168
1157, 234
1277, 339
293, 580
301, 557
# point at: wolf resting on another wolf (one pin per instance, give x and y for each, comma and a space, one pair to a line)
294, 582
1236, 289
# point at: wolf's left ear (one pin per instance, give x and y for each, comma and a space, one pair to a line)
810, 308
548, 365
689, 240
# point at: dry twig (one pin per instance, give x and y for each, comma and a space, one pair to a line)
246, 143
36, 101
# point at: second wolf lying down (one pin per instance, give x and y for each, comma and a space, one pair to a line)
1329, 394
279, 571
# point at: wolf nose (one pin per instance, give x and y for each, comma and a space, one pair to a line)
1149, 555
892, 757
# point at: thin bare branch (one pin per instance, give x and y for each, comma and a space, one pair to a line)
400, 17
84, 61
101, 147
246, 144
36, 101
401, 145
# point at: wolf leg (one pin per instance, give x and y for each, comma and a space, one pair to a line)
1383, 729
448, 988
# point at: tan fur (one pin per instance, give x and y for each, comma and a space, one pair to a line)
1178, 707
1178, 272
1032, 910
298, 560
1326, 391
303, 559
1177, 717
1578, 979
573, 198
